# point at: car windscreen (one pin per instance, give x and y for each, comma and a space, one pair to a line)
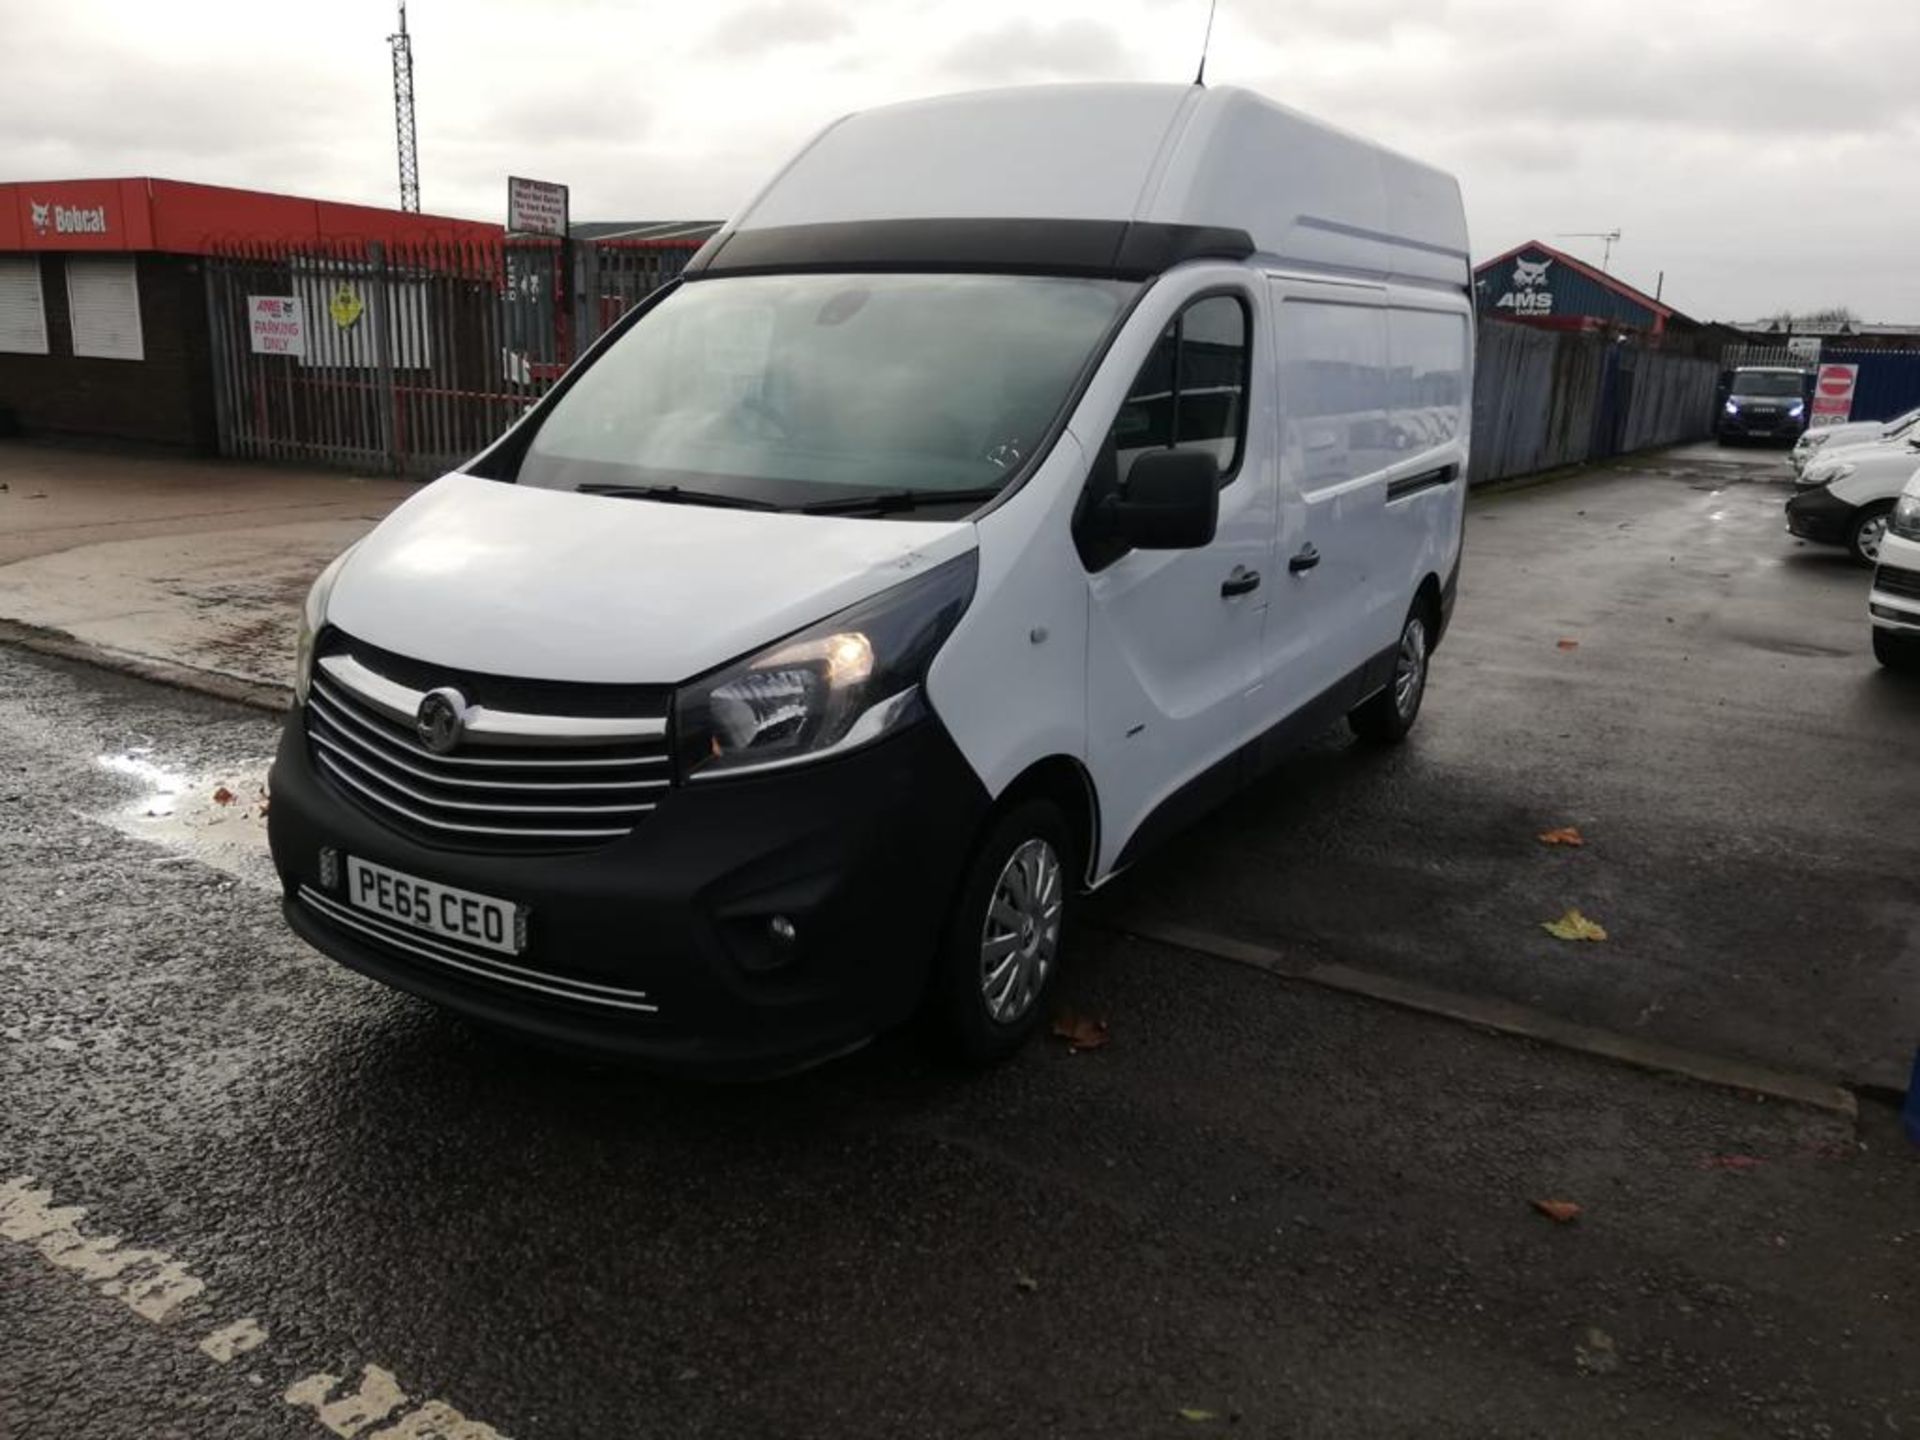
800, 389
1766, 382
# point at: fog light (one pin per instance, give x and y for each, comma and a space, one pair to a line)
782, 931
329, 868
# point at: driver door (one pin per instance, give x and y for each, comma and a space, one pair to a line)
1174, 636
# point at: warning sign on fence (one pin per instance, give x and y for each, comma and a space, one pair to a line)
276, 325
1833, 394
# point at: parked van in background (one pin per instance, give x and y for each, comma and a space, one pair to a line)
1894, 605
1847, 495
1017, 475
1764, 402
1854, 432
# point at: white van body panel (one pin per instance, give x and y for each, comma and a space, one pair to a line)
1880, 472
1010, 683
1897, 611
548, 584
976, 157
1306, 192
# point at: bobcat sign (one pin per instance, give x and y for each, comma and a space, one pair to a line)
1528, 290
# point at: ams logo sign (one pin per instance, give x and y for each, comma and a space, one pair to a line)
1529, 292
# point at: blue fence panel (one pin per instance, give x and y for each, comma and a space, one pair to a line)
1888, 383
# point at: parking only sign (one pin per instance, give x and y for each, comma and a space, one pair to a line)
276, 325
1833, 394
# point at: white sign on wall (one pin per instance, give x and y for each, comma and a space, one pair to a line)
1530, 292
536, 207
276, 325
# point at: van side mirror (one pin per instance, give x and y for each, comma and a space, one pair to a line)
1171, 501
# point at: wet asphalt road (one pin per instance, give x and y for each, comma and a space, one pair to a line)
1284, 1211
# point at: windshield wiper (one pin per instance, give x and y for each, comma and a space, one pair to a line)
678, 495
882, 502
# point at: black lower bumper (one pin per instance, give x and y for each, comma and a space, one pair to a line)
861, 854
1760, 427
1818, 516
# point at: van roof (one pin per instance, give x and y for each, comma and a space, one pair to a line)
1122, 179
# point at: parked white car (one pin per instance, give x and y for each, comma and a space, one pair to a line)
1847, 495
1854, 432
1016, 477
1894, 606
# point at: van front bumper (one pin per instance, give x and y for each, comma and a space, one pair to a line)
1817, 514
659, 947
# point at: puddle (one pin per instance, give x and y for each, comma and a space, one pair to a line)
218, 817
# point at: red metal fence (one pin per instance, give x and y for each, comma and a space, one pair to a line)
403, 358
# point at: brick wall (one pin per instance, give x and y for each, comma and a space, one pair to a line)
165, 399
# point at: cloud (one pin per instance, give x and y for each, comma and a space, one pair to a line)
775, 24
1029, 50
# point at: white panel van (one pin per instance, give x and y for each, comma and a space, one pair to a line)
1015, 476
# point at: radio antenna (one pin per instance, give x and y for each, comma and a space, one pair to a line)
1200, 76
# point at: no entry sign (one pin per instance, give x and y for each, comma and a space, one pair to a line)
1833, 394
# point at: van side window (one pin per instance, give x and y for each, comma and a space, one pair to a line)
1192, 392
1334, 392
1429, 391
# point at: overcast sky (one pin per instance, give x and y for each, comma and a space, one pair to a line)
1762, 153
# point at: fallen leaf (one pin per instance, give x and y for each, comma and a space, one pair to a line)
1573, 926
1597, 1353
1561, 1212
1197, 1416
1569, 644
224, 796
1081, 1032
1024, 1281
1731, 1162
1565, 835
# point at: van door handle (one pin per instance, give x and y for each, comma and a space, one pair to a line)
1304, 561
1240, 582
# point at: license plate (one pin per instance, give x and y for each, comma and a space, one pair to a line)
437, 909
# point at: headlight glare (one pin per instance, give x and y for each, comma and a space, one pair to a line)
850, 679
1733, 407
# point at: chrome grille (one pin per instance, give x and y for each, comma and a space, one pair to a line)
520, 780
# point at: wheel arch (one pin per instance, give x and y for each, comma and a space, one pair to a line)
1066, 781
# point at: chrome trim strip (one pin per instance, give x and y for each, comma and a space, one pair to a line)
336, 733
501, 727
366, 768
512, 832
334, 702
496, 970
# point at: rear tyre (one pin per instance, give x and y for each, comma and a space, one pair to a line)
1386, 718
1000, 955
1869, 528
1896, 652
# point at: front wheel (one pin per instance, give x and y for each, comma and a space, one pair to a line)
1386, 718
1001, 951
1869, 529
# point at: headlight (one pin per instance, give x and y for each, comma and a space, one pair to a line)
1813, 439
1906, 518
1839, 472
1798, 409
1733, 407
834, 686
312, 616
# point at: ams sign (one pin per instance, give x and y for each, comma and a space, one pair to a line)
1529, 292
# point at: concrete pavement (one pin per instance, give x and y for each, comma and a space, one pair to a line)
186, 569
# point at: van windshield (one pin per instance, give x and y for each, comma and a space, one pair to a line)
816, 390
1766, 382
